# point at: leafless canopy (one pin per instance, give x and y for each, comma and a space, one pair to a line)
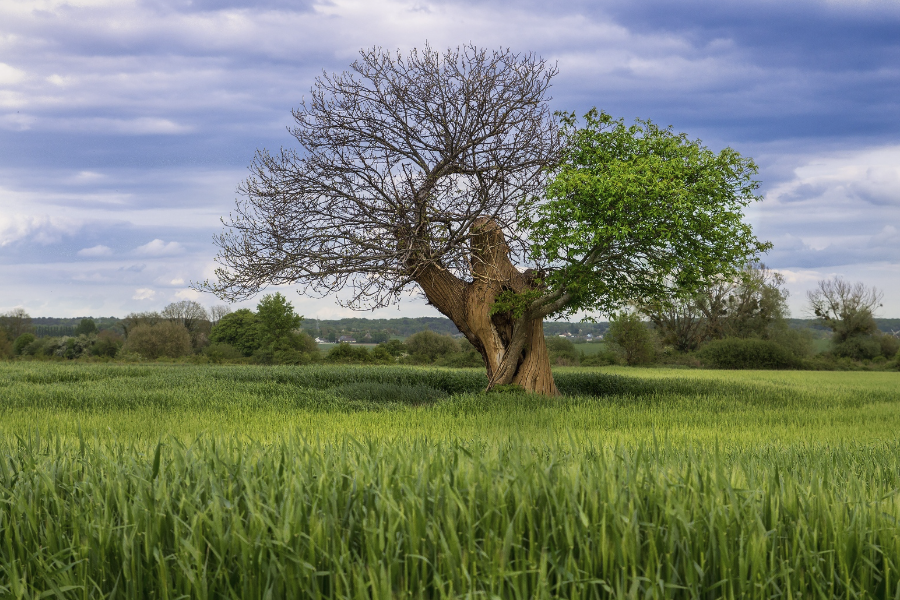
399, 158
847, 309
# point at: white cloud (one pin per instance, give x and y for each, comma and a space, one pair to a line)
10, 75
39, 228
188, 294
143, 294
178, 281
159, 248
98, 250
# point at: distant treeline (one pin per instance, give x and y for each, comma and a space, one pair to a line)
401, 327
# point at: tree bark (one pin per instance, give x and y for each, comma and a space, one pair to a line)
513, 349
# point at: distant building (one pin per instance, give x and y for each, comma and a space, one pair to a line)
346, 339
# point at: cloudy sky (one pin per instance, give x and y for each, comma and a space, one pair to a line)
126, 125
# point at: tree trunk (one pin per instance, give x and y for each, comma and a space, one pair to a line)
513, 349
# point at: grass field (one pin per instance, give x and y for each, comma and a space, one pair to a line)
157, 481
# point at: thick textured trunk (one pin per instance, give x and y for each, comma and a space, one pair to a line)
513, 350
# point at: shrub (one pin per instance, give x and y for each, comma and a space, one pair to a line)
220, 351
86, 327
21, 342
107, 344
38, 347
859, 347
461, 360
238, 329
562, 351
889, 345
600, 359
431, 345
393, 347
749, 353
631, 339
165, 339
6, 348
345, 353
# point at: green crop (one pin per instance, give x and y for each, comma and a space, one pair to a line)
382, 482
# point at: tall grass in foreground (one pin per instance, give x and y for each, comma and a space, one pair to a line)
420, 519
245, 482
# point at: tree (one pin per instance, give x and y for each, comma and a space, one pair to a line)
6, 347
21, 342
847, 309
217, 312
86, 327
429, 345
133, 320
276, 318
166, 338
15, 323
678, 321
631, 338
185, 312
430, 171
751, 303
192, 317
238, 329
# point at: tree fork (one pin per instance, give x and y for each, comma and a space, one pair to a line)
513, 350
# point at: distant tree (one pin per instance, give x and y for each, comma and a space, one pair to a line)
86, 327
631, 338
21, 342
6, 347
847, 309
193, 317
238, 329
276, 318
562, 351
217, 312
165, 339
757, 301
679, 321
430, 345
15, 323
749, 303
133, 320
393, 347
107, 344
186, 312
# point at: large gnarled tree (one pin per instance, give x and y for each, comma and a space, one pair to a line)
447, 173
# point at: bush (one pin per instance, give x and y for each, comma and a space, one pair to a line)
429, 346
562, 351
220, 352
6, 348
890, 345
859, 347
345, 353
238, 329
107, 344
631, 339
86, 327
600, 359
165, 339
393, 347
747, 353
461, 360
21, 342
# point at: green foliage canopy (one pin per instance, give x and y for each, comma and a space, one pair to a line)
638, 212
238, 329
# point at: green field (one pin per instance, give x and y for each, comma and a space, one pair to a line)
160, 481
